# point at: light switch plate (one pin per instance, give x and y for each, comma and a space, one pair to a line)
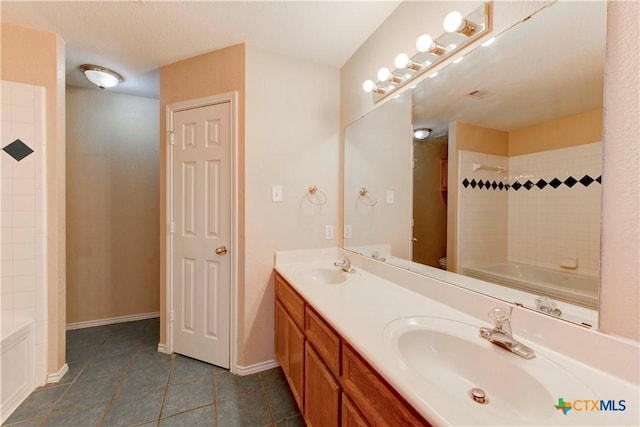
390, 196
348, 231
276, 193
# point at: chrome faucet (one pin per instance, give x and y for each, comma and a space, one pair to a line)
501, 334
376, 255
345, 265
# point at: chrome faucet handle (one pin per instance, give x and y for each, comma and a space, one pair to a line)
501, 318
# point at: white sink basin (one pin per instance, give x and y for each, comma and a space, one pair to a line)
450, 357
324, 276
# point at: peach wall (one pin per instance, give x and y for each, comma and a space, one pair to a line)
204, 75
112, 182
620, 270
37, 58
578, 129
292, 140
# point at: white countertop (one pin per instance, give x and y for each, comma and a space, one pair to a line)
361, 308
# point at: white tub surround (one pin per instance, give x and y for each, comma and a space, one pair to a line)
17, 372
24, 235
363, 306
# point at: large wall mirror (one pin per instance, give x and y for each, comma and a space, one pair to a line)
506, 187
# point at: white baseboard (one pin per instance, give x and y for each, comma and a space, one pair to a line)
112, 320
258, 367
162, 349
57, 376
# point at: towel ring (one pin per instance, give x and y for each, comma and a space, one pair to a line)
367, 198
321, 196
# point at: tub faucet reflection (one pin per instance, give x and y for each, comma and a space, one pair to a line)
376, 255
345, 265
501, 334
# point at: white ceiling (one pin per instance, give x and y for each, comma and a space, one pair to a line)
135, 38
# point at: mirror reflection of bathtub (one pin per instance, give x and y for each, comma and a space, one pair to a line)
536, 113
566, 286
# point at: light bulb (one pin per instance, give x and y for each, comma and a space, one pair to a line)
424, 43
368, 86
452, 22
402, 60
384, 74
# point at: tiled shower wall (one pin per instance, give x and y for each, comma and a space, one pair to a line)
23, 211
544, 208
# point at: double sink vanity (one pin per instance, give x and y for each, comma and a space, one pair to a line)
365, 343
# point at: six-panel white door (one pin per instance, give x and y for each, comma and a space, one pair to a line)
202, 233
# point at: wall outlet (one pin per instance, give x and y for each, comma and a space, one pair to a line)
276, 193
328, 232
348, 231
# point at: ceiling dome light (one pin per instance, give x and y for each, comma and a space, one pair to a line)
455, 23
421, 133
101, 76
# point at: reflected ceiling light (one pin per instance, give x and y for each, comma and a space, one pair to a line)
426, 44
433, 75
101, 76
455, 23
421, 133
489, 42
369, 86
458, 60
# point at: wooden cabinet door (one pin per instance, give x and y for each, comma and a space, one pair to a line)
351, 417
290, 352
322, 392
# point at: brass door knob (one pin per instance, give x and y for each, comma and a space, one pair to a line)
414, 240
221, 250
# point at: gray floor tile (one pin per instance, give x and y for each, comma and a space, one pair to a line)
245, 411
195, 418
85, 416
82, 353
74, 369
139, 380
135, 409
89, 392
296, 421
107, 352
147, 358
283, 405
229, 385
135, 329
88, 336
101, 368
32, 422
186, 369
181, 397
272, 377
38, 403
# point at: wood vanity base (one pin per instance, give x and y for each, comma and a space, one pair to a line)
333, 385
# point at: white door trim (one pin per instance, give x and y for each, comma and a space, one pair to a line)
171, 109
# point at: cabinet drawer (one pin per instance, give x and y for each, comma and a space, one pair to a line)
377, 401
324, 340
291, 301
351, 417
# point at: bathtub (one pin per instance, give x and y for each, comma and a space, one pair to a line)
17, 360
561, 285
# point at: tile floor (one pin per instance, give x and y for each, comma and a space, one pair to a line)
117, 378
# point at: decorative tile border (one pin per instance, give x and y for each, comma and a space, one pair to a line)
18, 150
528, 185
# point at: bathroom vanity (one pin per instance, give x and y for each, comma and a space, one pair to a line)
332, 384
385, 346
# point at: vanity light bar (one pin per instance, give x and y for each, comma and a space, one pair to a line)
460, 32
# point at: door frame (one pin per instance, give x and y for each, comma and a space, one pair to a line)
171, 109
